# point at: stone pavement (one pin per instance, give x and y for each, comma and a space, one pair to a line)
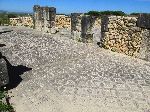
68, 76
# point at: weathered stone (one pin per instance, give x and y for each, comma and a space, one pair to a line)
121, 34
53, 30
4, 78
136, 29
63, 21
105, 21
76, 25
130, 25
86, 28
144, 52
26, 21
144, 21
44, 18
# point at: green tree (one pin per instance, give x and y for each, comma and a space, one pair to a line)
12, 15
100, 13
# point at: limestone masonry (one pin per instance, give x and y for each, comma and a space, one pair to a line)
121, 34
129, 35
22, 21
63, 21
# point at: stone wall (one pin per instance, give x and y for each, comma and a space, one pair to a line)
129, 35
63, 21
22, 21
121, 34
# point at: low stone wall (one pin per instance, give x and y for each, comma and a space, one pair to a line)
22, 21
129, 35
63, 21
121, 34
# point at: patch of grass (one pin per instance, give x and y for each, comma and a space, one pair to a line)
4, 106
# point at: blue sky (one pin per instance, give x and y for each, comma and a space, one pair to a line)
68, 6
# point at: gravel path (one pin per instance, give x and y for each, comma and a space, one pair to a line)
68, 76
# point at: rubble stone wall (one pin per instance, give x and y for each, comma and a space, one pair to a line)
63, 21
129, 35
121, 34
22, 21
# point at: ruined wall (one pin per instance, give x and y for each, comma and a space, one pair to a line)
63, 21
129, 35
44, 18
22, 21
121, 34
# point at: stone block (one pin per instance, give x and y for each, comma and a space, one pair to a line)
91, 28
105, 21
144, 21
44, 18
53, 30
76, 21
4, 78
